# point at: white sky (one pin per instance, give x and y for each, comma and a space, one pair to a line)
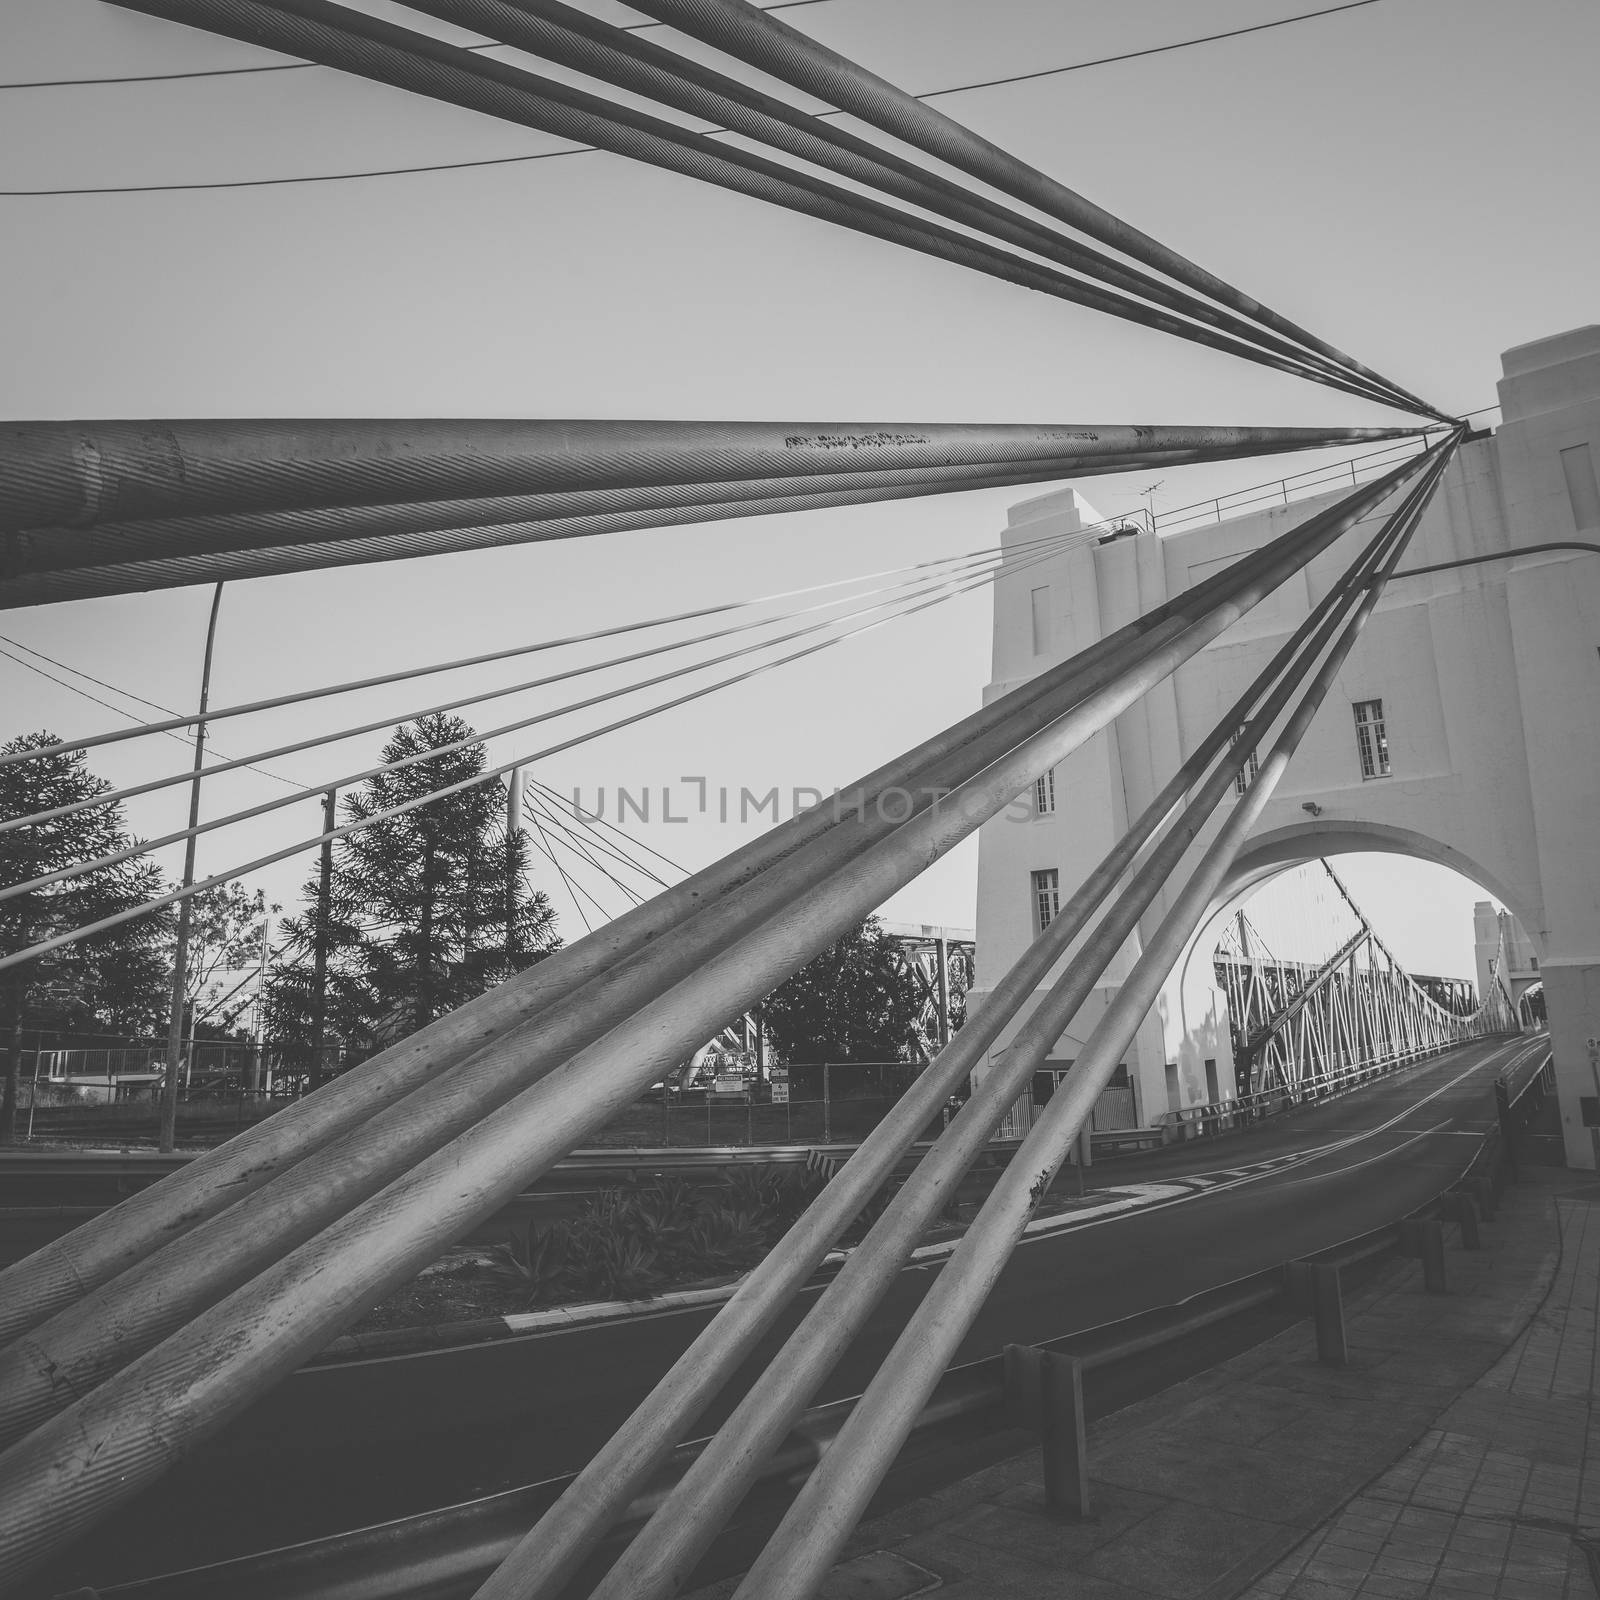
1413, 180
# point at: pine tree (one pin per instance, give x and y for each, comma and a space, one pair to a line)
118, 977
427, 909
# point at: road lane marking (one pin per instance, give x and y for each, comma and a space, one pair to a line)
1129, 1200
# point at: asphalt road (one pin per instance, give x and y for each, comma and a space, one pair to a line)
342, 1445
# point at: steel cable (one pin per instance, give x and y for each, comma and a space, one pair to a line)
433, 752
97, 1251
337, 36
318, 692
57, 941
551, 1553
129, 1427
957, 569
572, 38
815, 1525
772, 46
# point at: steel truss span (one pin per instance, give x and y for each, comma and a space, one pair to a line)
1304, 1029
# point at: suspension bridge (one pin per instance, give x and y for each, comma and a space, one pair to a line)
1178, 714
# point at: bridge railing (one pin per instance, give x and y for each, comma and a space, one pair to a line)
1224, 1116
1278, 491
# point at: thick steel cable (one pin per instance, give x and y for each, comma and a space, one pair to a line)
65, 550
772, 46
928, 585
124, 1441
336, 36
250, 1239
76, 1349
97, 1251
176, 720
128, 1314
797, 1557
81, 474
692, 1513
551, 1553
249, 813
490, 44
123, 578
957, 569
572, 38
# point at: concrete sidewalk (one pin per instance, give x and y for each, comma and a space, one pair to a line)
1447, 1460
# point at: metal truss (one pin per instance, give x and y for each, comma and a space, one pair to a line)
1299, 1026
942, 961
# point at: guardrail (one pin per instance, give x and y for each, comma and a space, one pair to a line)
449, 1551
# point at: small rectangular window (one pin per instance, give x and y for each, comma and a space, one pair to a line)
1044, 793
1046, 898
1040, 599
1245, 776
1372, 742
1577, 466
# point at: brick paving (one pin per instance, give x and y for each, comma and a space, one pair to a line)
1450, 1460
1494, 1501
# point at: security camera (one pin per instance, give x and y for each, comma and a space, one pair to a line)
1312, 807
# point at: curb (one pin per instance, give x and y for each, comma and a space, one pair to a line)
596, 1313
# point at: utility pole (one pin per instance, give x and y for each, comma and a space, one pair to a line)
513, 828
259, 1054
319, 980
180, 960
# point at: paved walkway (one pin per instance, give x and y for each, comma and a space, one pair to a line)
1494, 1498
1449, 1460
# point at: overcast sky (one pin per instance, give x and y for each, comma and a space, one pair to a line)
1413, 179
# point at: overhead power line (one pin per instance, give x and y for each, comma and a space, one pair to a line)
571, 150
74, 688
1135, 55
306, 66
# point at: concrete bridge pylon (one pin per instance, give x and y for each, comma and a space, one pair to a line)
1465, 730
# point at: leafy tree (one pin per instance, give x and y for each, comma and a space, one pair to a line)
226, 927
119, 977
427, 909
854, 1002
